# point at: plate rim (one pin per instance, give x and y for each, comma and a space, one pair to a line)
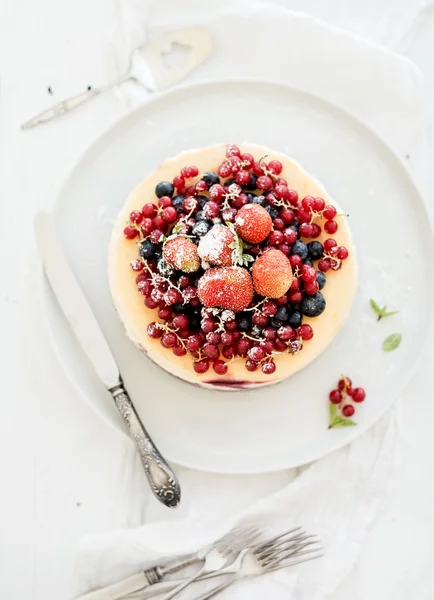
92, 149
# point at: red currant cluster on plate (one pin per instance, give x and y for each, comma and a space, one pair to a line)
231, 264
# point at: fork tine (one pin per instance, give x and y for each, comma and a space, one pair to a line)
272, 549
307, 548
291, 563
237, 538
273, 540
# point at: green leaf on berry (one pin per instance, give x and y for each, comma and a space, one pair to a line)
177, 228
239, 257
392, 342
382, 312
337, 420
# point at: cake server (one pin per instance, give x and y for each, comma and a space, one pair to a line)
77, 311
148, 67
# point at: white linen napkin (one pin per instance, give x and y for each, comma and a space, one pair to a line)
339, 496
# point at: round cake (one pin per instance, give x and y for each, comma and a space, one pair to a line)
231, 267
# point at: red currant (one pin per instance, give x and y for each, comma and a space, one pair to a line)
227, 338
247, 158
269, 309
251, 365
242, 177
348, 410
318, 204
154, 330
169, 340
335, 397
287, 215
255, 354
342, 253
292, 197
278, 224
305, 331
136, 217
311, 288
201, 366
344, 383
130, 232
194, 342
268, 367
146, 226
217, 192
296, 297
172, 296
330, 227
165, 313
296, 261
228, 351
286, 333
316, 230
324, 264
208, 324
276, 237
306, 230
149, 210
179, 350
178, 182
308, 203
211, 351
281, 192
280, 345
282, 301
165, 201
285, 248
169, 214
180, 321
233, 151
243, 346
275, 166
259, 319
220, 367
358, 394
290, 236
329, 212
211, 210
264, 182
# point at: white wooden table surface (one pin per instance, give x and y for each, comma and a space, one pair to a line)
56, 456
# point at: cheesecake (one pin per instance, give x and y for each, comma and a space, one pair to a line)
231, 267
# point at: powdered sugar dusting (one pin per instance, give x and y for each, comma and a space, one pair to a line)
214, 246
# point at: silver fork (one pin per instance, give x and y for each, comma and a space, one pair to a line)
290, 545
217, 556
280, 552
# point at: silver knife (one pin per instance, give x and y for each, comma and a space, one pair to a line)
76, 309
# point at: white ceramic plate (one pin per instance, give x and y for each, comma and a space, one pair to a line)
284, 425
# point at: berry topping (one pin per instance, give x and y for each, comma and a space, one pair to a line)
253, 223
272, 274
313, 306
181, 253
226, 287
164, 188
215, 246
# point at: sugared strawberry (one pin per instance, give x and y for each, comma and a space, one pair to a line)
181, 253
227, 287
214, 247
272, 274
253, 223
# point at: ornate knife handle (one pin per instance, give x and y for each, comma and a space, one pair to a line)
161, 478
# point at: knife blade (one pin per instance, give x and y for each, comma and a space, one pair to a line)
84, 325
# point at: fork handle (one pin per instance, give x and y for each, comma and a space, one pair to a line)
118, 590
217, 589
202, 571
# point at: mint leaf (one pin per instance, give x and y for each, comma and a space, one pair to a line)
392, 342
337, 420
375, 306
382, 312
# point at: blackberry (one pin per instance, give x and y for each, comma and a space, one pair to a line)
295, 319
321, 279
244, 323
316, 250
202, 200
299, 248
259, 200
313, 306
211, 178
282, 314
251, 186
178, 308
147, 249
276, 323
164, 268
164, 188
201, 228
177, 203
272, 211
